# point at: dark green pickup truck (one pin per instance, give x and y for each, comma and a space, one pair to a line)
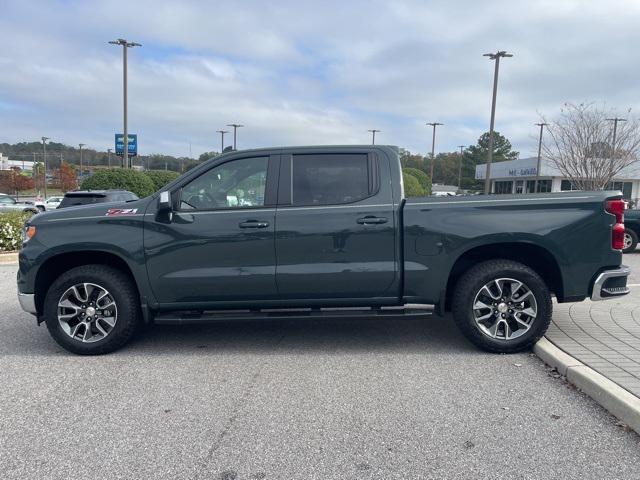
317, 231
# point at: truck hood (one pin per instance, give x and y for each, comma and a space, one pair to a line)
94, 210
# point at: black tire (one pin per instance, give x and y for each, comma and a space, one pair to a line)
634, 240
31, 210
124, 294
473, 281
41, 208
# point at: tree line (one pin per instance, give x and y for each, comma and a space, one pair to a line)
57, 152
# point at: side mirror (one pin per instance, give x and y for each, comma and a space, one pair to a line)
164, 202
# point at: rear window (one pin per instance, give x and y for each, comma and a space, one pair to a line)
73, 200
331, 179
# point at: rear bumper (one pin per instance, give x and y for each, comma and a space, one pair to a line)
28, 302
611, 283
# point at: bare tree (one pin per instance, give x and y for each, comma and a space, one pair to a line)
581, 144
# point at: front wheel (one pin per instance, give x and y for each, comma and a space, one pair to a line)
502, 306
92, 309
630, 241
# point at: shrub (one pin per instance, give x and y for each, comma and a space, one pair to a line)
412, 187
11, 226
161, 177
423, 178
120, 178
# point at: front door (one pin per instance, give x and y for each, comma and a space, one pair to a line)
218, 244
335, 228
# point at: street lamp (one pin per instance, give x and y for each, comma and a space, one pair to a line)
125, 45
539, 164
81, 145
222, 132
235, 126
373, 135
460, 166
496, 57
615, 121
109, 156
44, 161
433, 145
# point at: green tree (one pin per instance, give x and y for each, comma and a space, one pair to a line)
446, 168
207, 155
411, 160
422, 177
501, 149
161, 177
477, 155
120, 178
412, 187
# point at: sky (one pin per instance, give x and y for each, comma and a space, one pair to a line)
309, 73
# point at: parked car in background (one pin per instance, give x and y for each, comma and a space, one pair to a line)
311, 232
50, 204
8, 203
631, 230
86, 197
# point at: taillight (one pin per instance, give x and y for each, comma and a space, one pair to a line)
617, 208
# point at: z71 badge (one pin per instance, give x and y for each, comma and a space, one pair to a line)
113, 212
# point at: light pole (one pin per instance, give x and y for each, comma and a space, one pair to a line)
125, 45
460, 166
235, 126
81, 145
539, 164
433, 146
496, 57
44, 161
109, 157
222, 132
373, 135
615, 121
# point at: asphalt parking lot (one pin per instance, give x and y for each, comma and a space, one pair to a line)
313, 399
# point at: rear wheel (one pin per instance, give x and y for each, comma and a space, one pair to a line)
502, 306
92, 309
630, 241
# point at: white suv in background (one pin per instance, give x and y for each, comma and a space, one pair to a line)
50, 203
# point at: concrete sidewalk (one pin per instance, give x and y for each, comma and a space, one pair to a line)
596, 345
603, 335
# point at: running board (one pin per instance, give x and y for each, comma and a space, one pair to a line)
193, 317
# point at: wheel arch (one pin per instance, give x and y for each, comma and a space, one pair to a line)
534, 256
56, 265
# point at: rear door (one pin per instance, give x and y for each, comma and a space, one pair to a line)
335, 227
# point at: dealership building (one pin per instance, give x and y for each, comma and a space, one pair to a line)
518, 176
6, 164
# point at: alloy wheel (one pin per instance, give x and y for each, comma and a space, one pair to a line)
87, 312
504, 309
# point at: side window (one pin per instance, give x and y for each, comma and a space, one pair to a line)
235, 184
331, 179
7, 200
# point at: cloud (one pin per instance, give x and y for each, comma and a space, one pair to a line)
308, 72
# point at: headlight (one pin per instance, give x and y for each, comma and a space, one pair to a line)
28, 233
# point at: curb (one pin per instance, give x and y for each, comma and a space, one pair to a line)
618, 401
10, 258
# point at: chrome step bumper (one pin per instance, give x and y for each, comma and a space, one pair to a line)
28, 302
611, 284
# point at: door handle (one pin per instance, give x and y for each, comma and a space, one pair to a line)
253, 224
371, 220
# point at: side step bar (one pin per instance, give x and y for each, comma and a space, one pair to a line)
195, 317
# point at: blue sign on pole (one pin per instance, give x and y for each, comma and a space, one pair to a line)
133, 144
